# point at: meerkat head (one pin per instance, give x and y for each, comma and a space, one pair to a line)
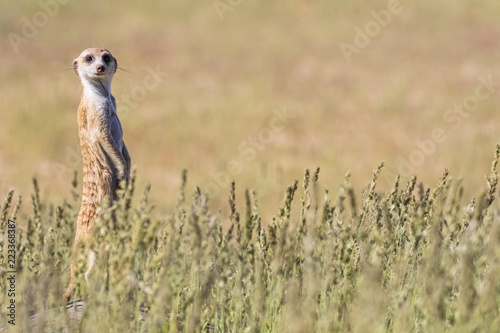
95, 65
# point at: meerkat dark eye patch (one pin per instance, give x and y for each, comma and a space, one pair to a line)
89, 59
106, 58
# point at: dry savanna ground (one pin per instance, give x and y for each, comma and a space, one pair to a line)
256, 92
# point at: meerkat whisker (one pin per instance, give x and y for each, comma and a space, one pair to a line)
124, 70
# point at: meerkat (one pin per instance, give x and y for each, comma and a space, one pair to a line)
106, 161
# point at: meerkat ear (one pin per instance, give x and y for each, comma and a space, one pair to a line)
75, 66
116, 65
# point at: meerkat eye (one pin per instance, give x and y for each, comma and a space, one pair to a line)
89, 58
105, 58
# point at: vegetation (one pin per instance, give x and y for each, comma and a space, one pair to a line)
416, 259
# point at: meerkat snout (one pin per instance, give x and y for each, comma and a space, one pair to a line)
94, 63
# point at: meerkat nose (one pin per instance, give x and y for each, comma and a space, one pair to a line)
100, 69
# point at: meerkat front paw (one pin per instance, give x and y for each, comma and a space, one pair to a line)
121, 176
122, 180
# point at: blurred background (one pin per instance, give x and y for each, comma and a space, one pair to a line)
256, 92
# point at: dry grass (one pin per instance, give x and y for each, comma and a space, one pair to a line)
416, 259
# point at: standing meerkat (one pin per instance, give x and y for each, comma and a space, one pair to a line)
106, 161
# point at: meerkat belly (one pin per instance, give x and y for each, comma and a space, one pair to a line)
98, 176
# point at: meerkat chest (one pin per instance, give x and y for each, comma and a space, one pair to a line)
102, 118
